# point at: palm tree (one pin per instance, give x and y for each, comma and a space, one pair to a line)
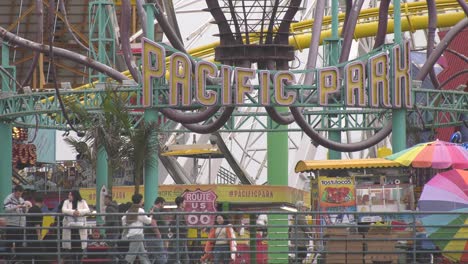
139, 148
112, 128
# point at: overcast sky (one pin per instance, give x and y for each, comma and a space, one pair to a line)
63, 151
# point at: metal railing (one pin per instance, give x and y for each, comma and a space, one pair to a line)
286, 237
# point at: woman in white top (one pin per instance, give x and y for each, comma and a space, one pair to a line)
75, 209
135, 224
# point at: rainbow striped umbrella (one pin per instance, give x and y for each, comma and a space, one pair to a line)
436, 154
447, 192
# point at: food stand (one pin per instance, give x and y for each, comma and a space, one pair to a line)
350, 195
378, 185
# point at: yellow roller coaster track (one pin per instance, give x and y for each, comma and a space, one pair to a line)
413, 17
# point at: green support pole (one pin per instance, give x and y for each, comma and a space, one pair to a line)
101, 35
7, 84
253, 238
333, 154
335, 51
101, 44
333, 57
277, 172
6, 161
5, 54
150, 11
398, 115
101, 177
5, 58
151, 173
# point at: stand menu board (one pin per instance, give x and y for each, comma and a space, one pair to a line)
337, 195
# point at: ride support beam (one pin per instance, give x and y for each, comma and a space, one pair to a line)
151, 172
101, 35
6, 155
277, 175
333, 48
398, 115
6, 160
101, 177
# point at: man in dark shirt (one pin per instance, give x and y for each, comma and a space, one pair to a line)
155, 242
181, 232
113, 220
34, 220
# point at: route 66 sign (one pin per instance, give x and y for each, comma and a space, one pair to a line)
200, 201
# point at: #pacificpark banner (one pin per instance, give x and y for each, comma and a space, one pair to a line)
225, 193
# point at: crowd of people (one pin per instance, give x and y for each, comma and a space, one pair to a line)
146, 233
125, 234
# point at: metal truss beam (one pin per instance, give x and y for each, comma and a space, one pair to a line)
434, 108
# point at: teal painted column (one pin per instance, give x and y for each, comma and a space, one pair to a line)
101, 177
335, 51
277, 171
333, 60
398, 115
101, 18
5, 61
151, 173
101, 36
6, 160
6, 140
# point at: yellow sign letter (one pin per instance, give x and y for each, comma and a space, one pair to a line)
280, 78
354, 83
379, 90
226, 91
264, 81
180, 79
154, 60
243, 84
402, 76
327, 83
204, 69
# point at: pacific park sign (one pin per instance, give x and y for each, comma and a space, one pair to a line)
383, 80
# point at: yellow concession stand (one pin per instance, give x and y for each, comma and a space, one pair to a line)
359, 185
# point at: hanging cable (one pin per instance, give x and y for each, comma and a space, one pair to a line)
10, 76
52, 67
36, 128
63, 8
52, 26
18, 25
39, 37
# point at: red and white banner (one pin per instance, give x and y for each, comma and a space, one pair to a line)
200, 201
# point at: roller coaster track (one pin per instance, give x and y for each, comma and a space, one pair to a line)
21, 108
414, 17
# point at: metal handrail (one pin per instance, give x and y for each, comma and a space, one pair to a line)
279, 238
